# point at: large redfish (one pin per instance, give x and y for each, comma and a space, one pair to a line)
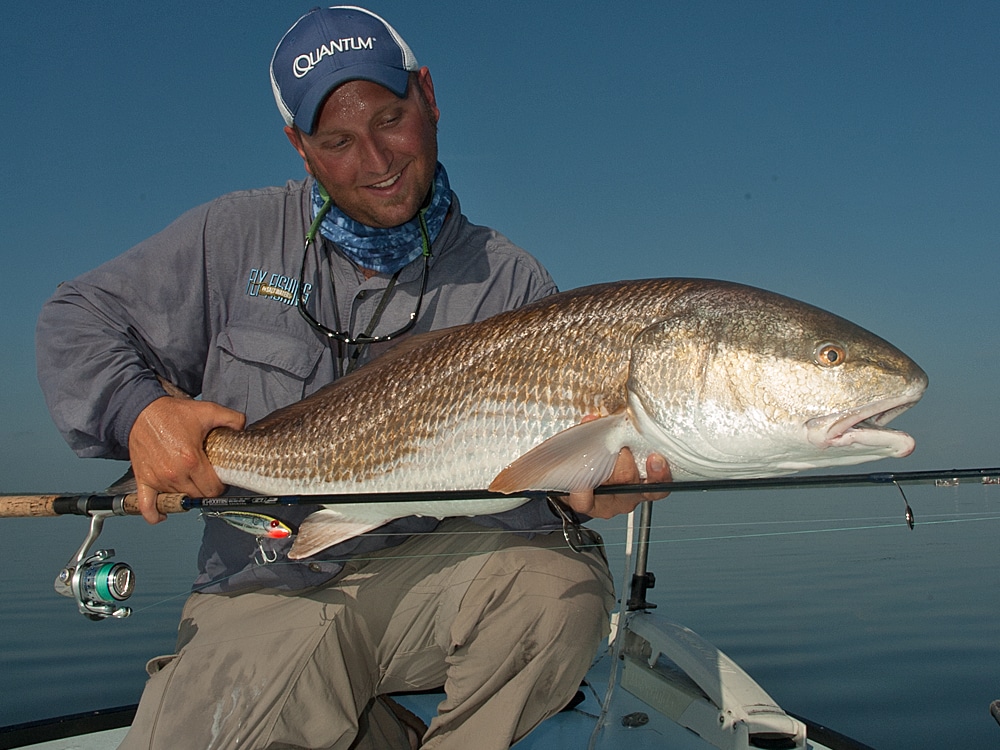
724, 380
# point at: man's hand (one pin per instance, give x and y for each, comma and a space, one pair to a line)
166, 446
625, 472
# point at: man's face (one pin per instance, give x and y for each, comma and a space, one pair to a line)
373, 152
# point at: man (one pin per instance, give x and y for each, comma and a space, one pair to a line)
226, 303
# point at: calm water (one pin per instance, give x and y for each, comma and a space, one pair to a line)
826, 598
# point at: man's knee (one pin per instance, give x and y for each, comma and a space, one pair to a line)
537, 598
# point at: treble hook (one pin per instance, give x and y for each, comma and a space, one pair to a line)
261, 557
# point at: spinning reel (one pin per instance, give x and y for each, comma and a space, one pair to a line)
97, 584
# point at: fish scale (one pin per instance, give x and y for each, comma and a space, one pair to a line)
720, 378
394, 404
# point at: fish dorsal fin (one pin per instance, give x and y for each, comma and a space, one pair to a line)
578, 458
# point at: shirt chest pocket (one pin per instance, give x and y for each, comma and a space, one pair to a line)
261, 370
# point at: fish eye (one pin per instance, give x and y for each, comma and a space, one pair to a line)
829, 354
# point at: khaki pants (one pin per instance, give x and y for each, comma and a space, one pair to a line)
507, 625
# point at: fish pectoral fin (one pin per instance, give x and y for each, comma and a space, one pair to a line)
325, 528
578, 458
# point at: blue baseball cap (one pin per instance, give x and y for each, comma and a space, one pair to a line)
330, 46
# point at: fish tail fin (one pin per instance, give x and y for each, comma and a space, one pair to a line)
327, 527
124, 485
173, 390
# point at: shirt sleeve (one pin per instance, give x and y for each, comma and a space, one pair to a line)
103, 338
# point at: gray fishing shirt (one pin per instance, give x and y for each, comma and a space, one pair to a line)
209, 304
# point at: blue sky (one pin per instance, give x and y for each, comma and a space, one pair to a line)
842, 153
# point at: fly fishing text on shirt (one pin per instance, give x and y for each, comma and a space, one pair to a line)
275, 286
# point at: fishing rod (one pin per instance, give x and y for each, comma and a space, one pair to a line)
99, 586
33, 506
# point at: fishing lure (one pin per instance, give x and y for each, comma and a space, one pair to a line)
258, 524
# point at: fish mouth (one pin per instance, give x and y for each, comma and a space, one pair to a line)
864, 430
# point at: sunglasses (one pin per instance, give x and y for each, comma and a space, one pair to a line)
344, 337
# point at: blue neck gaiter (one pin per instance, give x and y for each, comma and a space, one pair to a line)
384, 250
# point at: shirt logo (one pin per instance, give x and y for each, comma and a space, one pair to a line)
276, 286
302, 64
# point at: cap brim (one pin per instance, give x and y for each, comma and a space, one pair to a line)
394, 79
